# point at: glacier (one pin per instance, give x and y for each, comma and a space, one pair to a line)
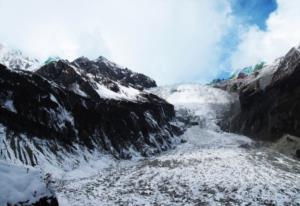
187, 159
211, 167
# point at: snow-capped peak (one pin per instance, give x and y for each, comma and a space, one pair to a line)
15, 59
102, 59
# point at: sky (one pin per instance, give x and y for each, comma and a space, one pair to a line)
173, 41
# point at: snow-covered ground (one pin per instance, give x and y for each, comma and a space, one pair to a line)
211, 168
21, 184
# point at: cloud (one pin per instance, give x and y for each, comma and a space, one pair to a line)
170, 40
282, 33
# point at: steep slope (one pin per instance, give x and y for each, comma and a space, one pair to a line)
270, 106
109, 70
90, 82
15, 59
46, 119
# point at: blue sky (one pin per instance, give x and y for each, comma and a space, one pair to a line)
247, 13
173, 41
254, 12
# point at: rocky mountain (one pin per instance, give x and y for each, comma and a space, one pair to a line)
46, 106
81, 121
269, 99
107, 69
15, 59
96, 80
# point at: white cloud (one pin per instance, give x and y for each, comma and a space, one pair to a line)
170, 40
283, 32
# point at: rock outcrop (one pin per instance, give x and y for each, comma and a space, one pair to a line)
109, 70
71, 105
269, 100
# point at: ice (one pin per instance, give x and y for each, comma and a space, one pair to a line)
204, 103
21, 184
211, 168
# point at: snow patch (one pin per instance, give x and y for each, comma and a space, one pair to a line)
125, 93
21, 184
9, 105
76, 89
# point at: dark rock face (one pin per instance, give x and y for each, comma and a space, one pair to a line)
112, 71
273, 111
45, 109
45, 201
298, 153
83, 76
68, 76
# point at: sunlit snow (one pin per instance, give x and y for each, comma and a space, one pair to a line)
211, 168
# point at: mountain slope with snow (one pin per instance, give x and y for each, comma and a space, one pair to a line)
15, 59
269, 100
109, 138
89, 81
211, 168
61, 118
110, 70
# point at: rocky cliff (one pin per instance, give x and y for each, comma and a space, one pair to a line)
269, 100
64, 104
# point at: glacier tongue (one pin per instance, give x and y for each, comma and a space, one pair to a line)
206, 105
211, 168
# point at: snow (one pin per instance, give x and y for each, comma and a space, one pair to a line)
15, 59
189, 94
211, 168
9, 105
203, 102
53, 98
20, 184
265, 75
76, 89
108, 63
60, 162
125, 93
60, 115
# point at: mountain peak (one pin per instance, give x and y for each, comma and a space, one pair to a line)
101, 58
52, 59
15, 59
110, 70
